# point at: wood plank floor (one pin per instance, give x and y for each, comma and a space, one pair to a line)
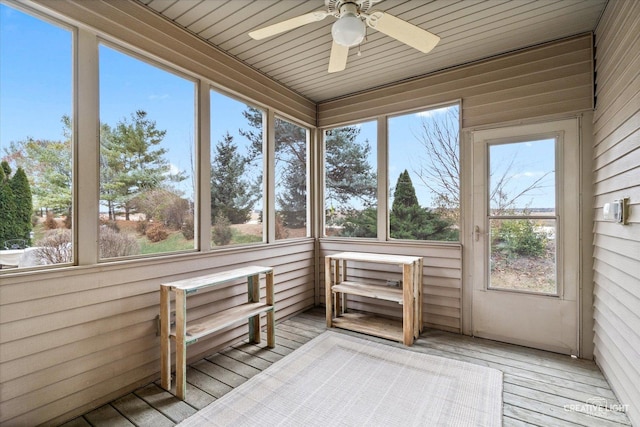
540, 388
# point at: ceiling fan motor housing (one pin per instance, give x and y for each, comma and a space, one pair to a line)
349, 30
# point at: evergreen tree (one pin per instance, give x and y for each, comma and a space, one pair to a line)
411, 221
231, 194
348, 172
7, 207
291, 160
135, 160
23, 205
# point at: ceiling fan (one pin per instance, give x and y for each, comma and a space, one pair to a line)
349, 30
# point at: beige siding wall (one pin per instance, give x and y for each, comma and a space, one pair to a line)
442, 279
552, 79
71, 340
616, 174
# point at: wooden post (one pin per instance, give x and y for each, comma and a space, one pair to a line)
181, 345
165, 342
253, 292
327, 290
271, 321
343, 277
419, 301
407, 303
336, 280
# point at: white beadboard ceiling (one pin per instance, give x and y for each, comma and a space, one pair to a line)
470, 30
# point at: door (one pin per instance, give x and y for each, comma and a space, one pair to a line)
526, 235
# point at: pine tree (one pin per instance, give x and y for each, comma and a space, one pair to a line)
231, 194
7, 207
348, 172
409, 220
23, 205
134, 156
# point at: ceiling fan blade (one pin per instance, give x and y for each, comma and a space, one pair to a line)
403, 31
287, 25
338, 58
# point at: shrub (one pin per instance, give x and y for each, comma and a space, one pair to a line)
156, 233
50, 222
68, 221
114, 244
281, 231
519, 237
163, 205
109, 223
221, 232
188, 228
141, 227
55, 247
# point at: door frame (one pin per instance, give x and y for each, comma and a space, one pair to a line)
584, 221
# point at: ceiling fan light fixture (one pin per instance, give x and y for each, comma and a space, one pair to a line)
349, 30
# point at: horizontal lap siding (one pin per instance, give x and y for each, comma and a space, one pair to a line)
72, 341
442, 279
551, 79
616, 174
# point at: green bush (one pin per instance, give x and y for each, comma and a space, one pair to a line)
518, 237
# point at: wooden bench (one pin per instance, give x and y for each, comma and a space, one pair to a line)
185, 333
409, 296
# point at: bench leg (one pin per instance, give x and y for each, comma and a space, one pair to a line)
253, 292
165, 342
181, 345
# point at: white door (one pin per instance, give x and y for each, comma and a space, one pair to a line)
526, 235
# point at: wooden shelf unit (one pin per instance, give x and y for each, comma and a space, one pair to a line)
185, 333
409, 296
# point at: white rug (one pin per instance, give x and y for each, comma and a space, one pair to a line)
340, 380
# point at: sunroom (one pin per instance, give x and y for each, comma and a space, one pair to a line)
153, 142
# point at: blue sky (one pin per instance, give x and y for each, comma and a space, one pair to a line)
36, 87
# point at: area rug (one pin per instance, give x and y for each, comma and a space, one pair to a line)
340, 380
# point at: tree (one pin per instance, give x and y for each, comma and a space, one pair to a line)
15, 204
291, 160
290, 164
409, 220
439, 169
231, 195
49, 168
7, 206
349, 175
133, 160
350, 178
23, 205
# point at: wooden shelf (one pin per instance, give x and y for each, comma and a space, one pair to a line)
200, 328
337, 287
185, 333
371, 325
386, 293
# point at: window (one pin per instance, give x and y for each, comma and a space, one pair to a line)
291, 180
350, 181
237, 169
522, 216
424, 175
147, 186
36, 225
